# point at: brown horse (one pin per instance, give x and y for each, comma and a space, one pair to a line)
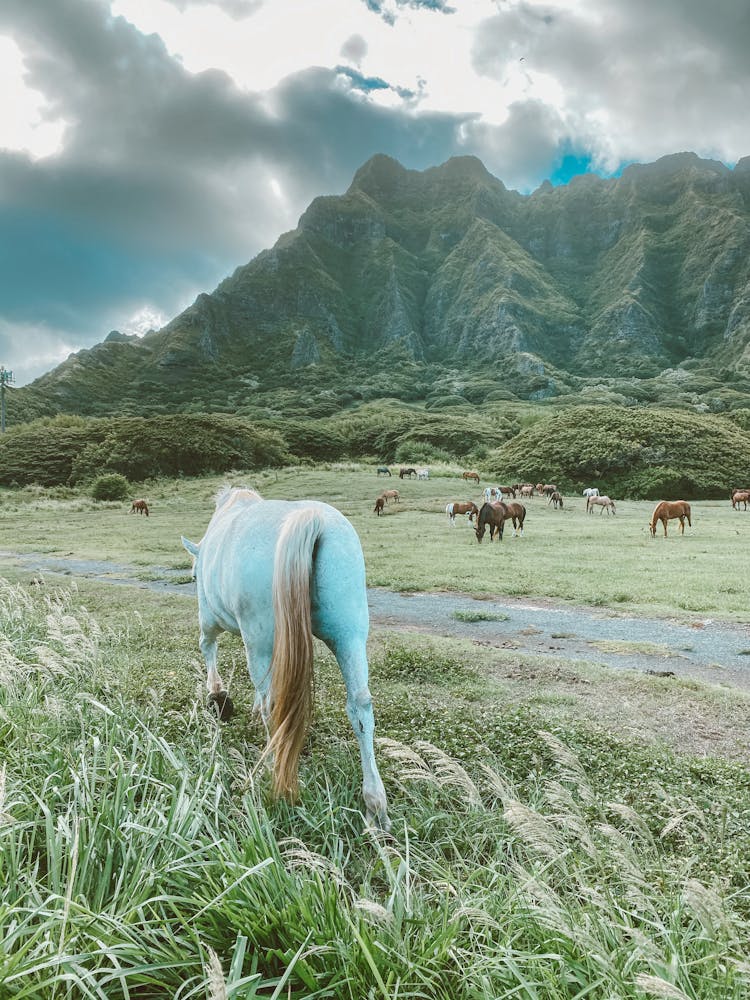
517, 513
665, 511
527, 491
387, 495
471, 475
379, 505
495, 515
139, 505
549, 488
406, 473
740, 497
508, 491
605, 503
460, 507
556, 499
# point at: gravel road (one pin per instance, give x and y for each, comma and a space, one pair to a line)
715, 652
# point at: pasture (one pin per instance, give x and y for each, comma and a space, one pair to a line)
554, 837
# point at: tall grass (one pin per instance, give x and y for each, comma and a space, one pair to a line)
139, 858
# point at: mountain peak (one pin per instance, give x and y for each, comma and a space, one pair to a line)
380, 175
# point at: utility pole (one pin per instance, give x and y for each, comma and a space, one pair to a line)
6, 378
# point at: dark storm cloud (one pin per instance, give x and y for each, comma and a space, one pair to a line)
639, 79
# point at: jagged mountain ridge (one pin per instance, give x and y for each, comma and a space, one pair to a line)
597, 278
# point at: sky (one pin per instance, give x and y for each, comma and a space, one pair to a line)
149, 147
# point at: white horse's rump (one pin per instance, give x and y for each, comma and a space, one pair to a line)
277, 573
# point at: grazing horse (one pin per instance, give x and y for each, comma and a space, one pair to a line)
665, 510
556, 499
548, 489
379, 505
391, 495
495, 515
604, 503
460, 507
406, 473
517, 513
591, 491
740, 497
527, 491
139, 505
471, 475
423, 473
383, 470
507, 491
278, 573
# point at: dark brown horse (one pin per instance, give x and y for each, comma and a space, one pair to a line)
493, 515
379, 505
461, 507
665, 511
139, 505
471, 475
406, 473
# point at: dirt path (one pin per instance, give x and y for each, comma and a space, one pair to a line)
715, 652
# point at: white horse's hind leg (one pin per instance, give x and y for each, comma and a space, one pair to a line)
217, 694
353, 663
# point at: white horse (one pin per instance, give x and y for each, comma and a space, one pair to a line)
591, 491
423, 473
278, 572
492, 493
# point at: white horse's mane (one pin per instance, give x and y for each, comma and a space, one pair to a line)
227, 495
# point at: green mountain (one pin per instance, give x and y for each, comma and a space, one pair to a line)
445, 286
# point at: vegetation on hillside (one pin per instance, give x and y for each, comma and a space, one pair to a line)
630, 452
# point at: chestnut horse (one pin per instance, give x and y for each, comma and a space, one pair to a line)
665, 511
460, 507
556, 499
495, 515
740, 497
391, 495
471, 475
379, 505
517, 513
139, 505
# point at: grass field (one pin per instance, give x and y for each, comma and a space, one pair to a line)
556, 836
565, 554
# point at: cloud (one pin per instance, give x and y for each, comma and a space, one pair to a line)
632, 80
237, 9
354, 49
388, 11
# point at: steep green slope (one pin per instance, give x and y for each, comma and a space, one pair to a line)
446, 269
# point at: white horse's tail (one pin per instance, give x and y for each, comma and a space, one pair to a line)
292, 659
449, 511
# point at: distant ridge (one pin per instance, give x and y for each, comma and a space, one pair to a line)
446, 271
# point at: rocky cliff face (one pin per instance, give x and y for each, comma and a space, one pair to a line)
598, 278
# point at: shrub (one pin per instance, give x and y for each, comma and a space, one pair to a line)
111, 486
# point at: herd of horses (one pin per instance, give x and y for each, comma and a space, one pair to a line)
497, 509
